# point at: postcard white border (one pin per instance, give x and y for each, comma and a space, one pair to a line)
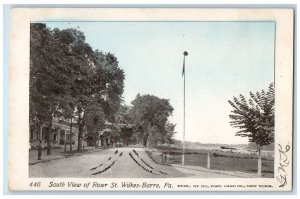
19, 89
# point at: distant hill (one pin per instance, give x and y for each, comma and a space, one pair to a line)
269, 147
199, 145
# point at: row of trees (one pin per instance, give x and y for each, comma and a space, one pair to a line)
146, 121
150, 117
69, 80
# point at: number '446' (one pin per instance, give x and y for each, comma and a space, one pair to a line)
35, 184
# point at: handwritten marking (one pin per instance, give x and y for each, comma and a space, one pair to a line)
283, 163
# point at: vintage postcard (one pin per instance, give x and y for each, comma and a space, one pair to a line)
141, 99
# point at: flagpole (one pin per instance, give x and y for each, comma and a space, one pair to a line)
183, 140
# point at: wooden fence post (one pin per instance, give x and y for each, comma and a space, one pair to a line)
162, 158
208, 159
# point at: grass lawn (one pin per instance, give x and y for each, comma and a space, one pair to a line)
221, 161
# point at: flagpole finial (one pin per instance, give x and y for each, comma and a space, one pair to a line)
185, 53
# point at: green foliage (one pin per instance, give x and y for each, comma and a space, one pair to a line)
94, 120
42, 102
255, 118
71, 81
150, 116
112, 77
124, 123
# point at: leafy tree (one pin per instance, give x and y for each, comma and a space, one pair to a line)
103, 88
110, 79
125, 124
150, 115
95, 120
46, 79
255, 118
39, 34
80, 66
170, 131
166, 137
71, 81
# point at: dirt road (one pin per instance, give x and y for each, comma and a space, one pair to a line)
117, 163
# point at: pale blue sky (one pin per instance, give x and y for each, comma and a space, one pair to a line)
225, 59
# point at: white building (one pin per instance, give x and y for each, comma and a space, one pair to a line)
60, 134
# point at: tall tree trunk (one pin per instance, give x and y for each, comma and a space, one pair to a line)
71, 135
48, 137
80, 129
145, 139
259, 161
